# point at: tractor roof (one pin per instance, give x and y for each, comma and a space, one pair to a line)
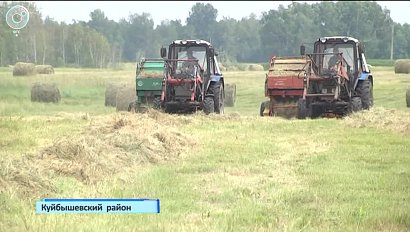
335, 38
191, 41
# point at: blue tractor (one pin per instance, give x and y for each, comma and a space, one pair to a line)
193, 80
337, 79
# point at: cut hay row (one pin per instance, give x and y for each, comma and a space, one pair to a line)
45, 92
402, 66
398, 121
111, 144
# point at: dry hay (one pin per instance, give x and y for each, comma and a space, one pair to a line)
25, 177
402, 66
230, 95
125, 95
110, 145
379, 117
408, 97
255, 67
45, 92
111, 94
44, 69
24, 69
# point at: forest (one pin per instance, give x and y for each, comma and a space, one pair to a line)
104, 43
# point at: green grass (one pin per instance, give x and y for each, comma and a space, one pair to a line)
381, 62
246, 173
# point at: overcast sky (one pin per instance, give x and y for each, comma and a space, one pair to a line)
80, 10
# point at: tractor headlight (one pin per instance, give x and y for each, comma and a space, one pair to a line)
184, 42
345, 39
323, 40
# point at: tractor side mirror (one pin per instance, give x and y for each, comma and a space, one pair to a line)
361, 48
163, 52
212, 51
302, 50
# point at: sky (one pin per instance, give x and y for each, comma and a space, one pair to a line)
66, 11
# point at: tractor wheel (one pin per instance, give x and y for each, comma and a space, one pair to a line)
218, 98
208, 105
132, 107
365, 91
156, 103
408, 97
302, 109
356, 104
262, 109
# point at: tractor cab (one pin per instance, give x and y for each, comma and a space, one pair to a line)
192, 79
347, 51
188, 55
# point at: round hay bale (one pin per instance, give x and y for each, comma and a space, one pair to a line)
230, 95
44, 69
408, 97
125, 95
45, 92
24, 69
111, 94
255, 67
402, 66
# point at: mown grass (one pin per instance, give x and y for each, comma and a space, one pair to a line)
246, 173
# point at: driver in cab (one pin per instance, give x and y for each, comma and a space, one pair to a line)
335, 59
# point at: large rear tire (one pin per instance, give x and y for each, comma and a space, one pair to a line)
365, 91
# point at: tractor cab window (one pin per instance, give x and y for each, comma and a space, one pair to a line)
331, 56
184, 54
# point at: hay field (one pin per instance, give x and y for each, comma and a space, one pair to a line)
232, 172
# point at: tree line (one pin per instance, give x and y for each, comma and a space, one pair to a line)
101, 42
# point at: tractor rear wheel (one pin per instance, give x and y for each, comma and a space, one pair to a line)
365, 91
302, 109
218, 98
209, 105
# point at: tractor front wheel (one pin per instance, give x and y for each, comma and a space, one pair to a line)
208, 105
356, 104
218, 98
365, 91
